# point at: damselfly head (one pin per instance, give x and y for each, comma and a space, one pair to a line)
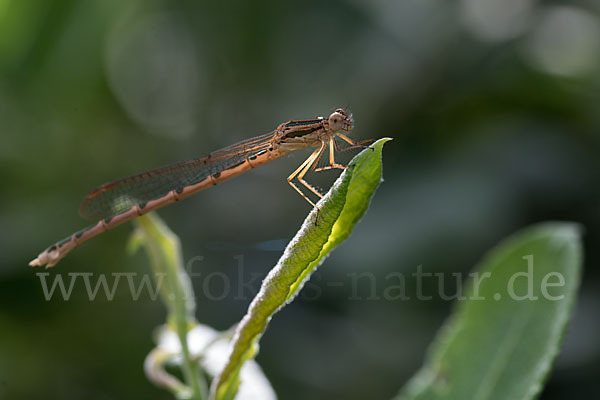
341, 120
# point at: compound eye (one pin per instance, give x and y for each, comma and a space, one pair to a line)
336, 121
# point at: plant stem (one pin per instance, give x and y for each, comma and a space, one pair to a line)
164, 249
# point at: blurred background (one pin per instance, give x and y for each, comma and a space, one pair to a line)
493, 107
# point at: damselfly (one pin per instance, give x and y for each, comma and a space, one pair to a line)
123, 199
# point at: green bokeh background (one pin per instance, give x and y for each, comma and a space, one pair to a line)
493, 108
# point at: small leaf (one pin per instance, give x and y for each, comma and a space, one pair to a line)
500, 343
340, 210
211, 349
164, 251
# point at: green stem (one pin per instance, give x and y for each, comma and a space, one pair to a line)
164, 250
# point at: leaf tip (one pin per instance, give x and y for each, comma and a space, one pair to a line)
562, 231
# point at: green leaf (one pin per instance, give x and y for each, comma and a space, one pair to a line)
500, 342
164, 250
340, 210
